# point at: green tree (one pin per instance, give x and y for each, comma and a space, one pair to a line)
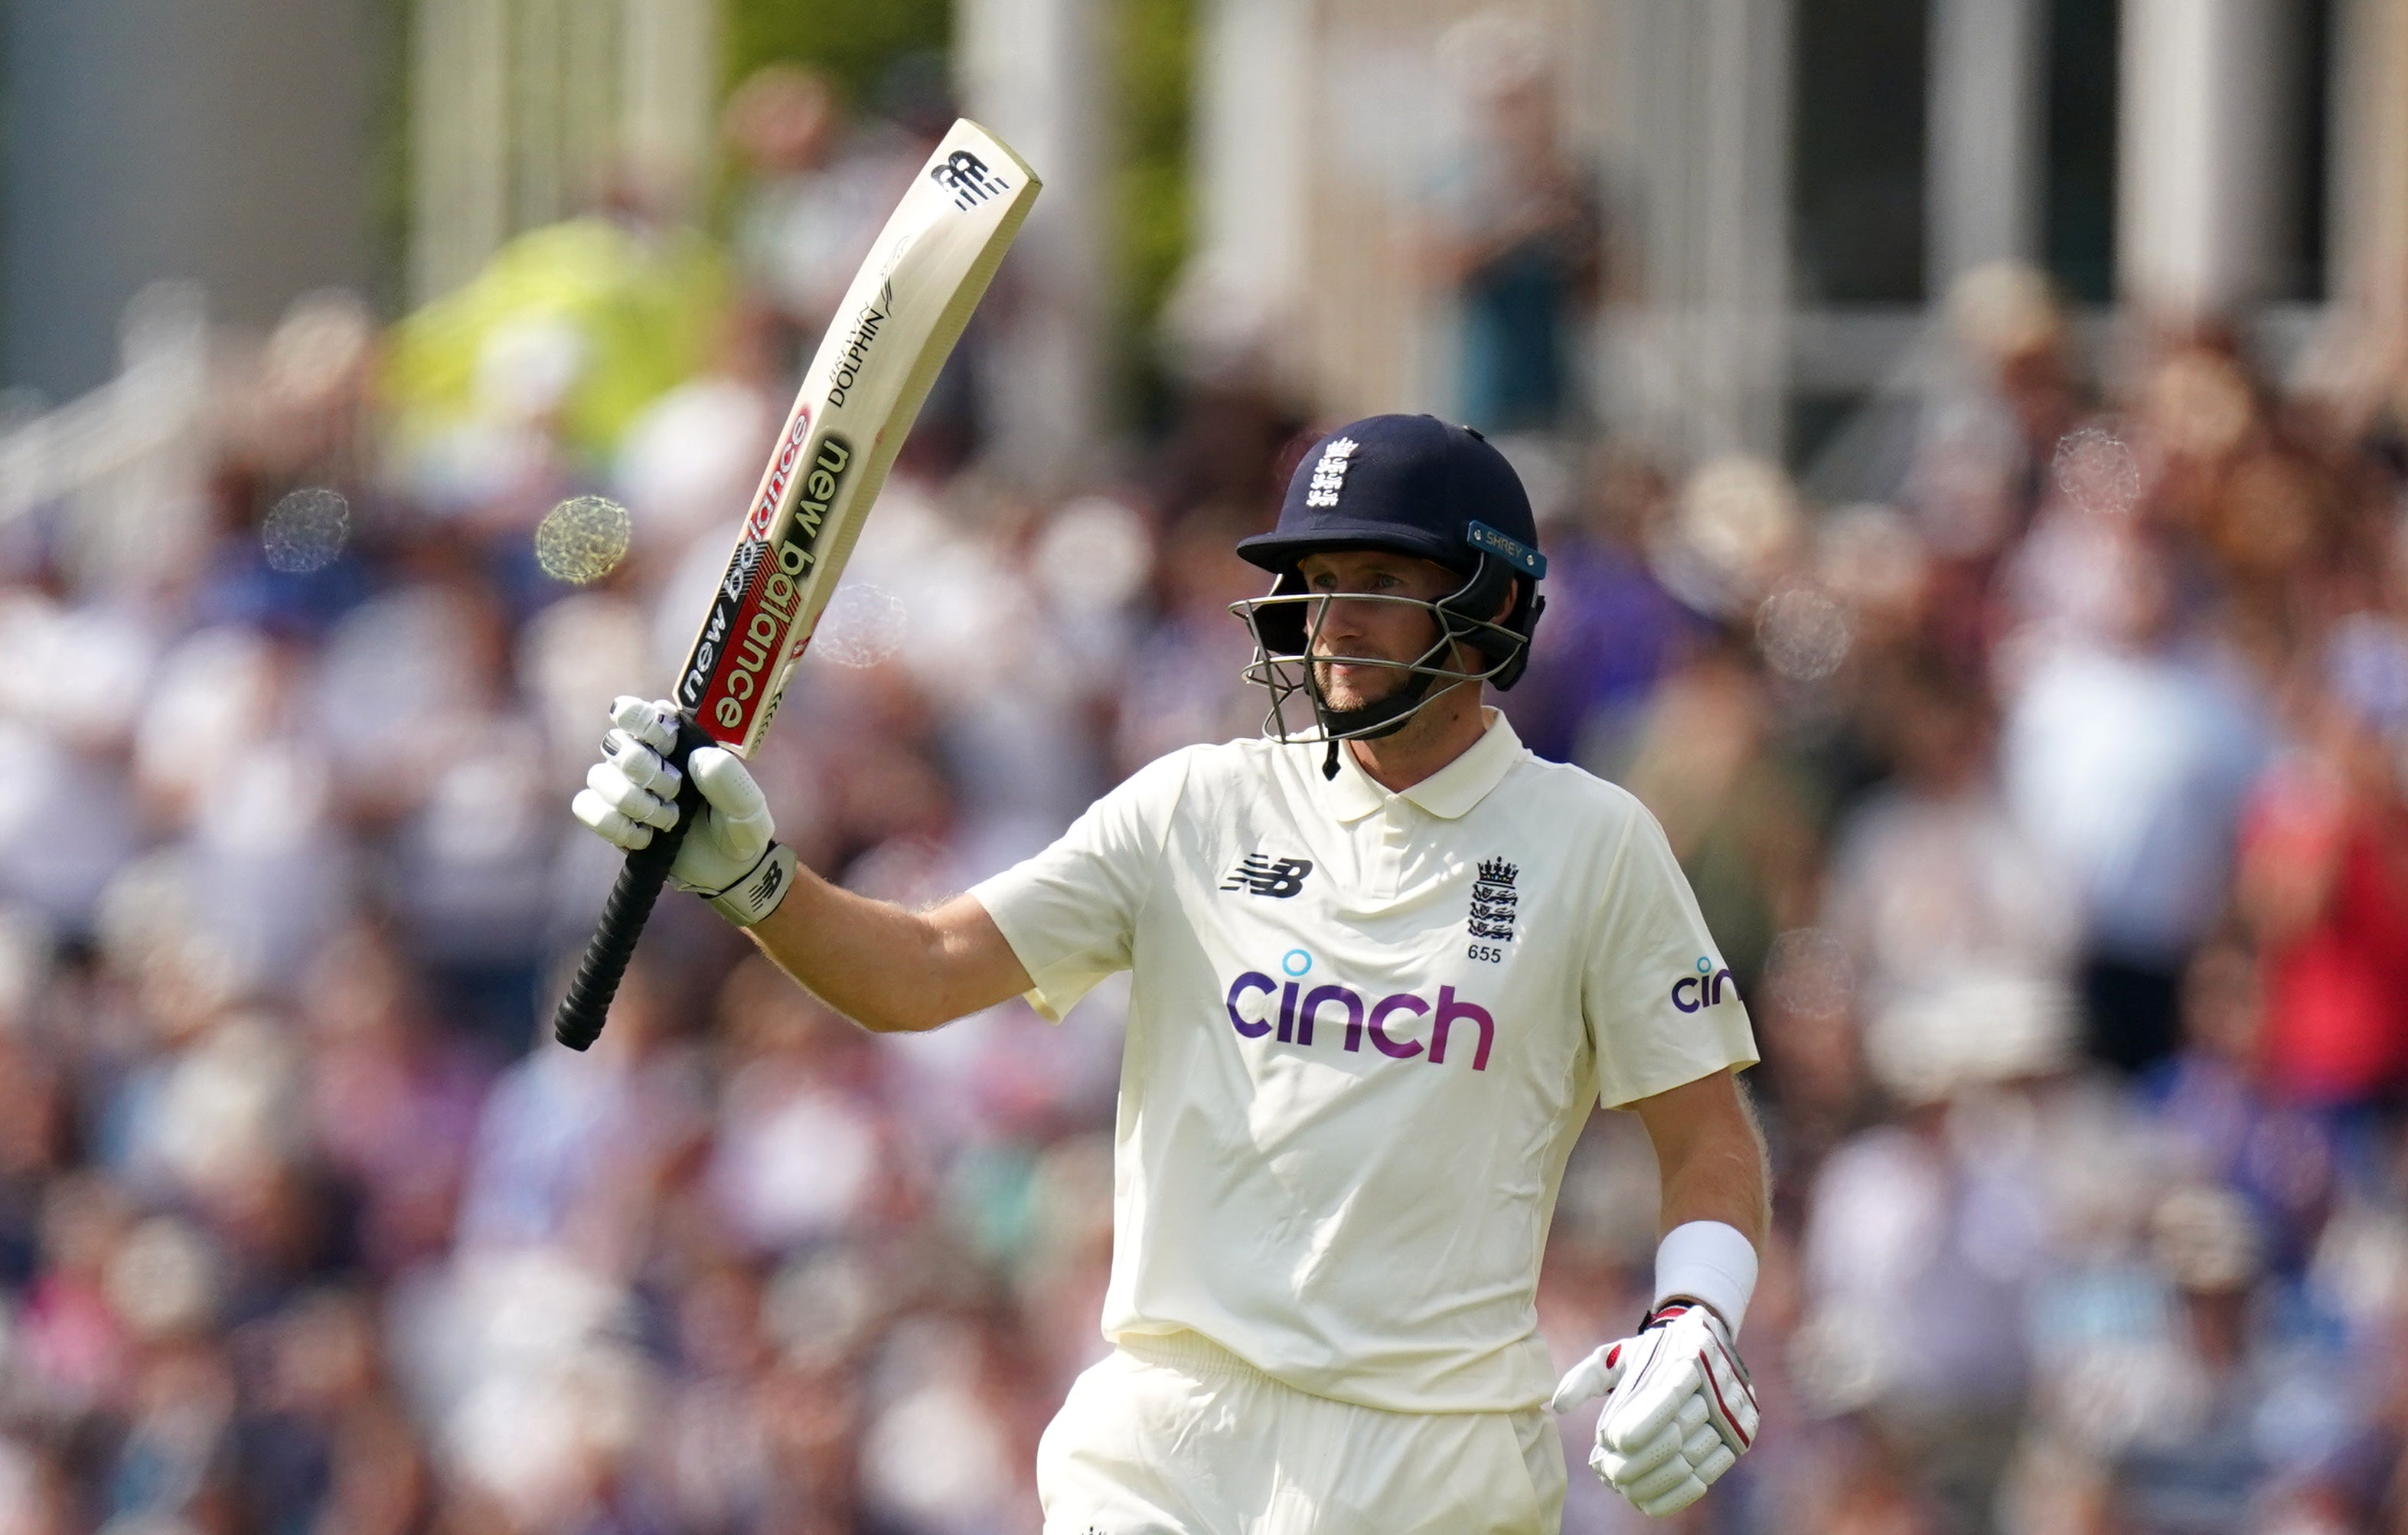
1154, 41
1157, 59
852, 41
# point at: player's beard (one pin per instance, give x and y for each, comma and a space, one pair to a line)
1359, 686
1356, 687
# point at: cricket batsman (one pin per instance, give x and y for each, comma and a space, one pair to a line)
1382, 963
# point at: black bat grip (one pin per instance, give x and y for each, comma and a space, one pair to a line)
587, 1004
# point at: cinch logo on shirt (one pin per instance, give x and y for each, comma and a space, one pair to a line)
1704, 989
1259, 874
1391, 1021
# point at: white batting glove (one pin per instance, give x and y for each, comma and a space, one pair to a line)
729, 856
1679, 1409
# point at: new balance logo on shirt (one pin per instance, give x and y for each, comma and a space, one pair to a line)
1260, 874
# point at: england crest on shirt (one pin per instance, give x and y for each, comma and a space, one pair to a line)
1494, 901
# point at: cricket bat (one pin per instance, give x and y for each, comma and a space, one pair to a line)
901, 316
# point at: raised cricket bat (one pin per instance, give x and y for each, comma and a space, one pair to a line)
900, 318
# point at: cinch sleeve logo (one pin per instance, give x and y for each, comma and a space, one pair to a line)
1704, 989
1394, 1024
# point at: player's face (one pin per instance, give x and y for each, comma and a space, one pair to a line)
1385, 631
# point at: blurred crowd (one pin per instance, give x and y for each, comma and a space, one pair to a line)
2051, 813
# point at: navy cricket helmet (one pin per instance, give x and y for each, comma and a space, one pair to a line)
1412, 485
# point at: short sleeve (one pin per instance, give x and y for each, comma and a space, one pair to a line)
1070, 913
1659, 1004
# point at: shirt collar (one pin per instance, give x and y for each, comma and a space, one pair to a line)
1448, 793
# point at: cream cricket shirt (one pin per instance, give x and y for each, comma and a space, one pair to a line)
1365, 1029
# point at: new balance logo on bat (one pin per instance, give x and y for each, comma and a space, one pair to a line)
1259, 874
741, 568
966, 177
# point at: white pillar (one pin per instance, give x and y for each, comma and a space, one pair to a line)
1986, 92
538, 171
228, 143
1699, 103
521, 110
2370, 205
2203, 135
459, 141
669, 93
1033, 72
1253, 152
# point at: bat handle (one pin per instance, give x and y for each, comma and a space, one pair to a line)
587, 1004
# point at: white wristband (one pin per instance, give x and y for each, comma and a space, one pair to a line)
757, 894
1709, 1261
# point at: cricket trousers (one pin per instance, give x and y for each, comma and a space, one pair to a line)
1176, 1436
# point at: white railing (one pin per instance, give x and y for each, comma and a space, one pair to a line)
123, 471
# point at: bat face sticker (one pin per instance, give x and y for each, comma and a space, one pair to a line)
770, 594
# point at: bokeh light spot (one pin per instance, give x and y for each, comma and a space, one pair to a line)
1803, 634
305, 531
582, 539
2097, 471
861, 627
1809, 974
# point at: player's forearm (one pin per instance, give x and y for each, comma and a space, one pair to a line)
889, 969
1722, 1180
1710, 1156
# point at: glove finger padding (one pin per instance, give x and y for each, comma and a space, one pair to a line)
608, 783
1689, 1488
736, 829
724, 780
1647, 1487
1718, 1460
739, 820
1667, 1445
644, 767
1684, 1412
1730, 1396
1685, 1354
1685, 1492
653, 722
597, 813
1591, 1378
